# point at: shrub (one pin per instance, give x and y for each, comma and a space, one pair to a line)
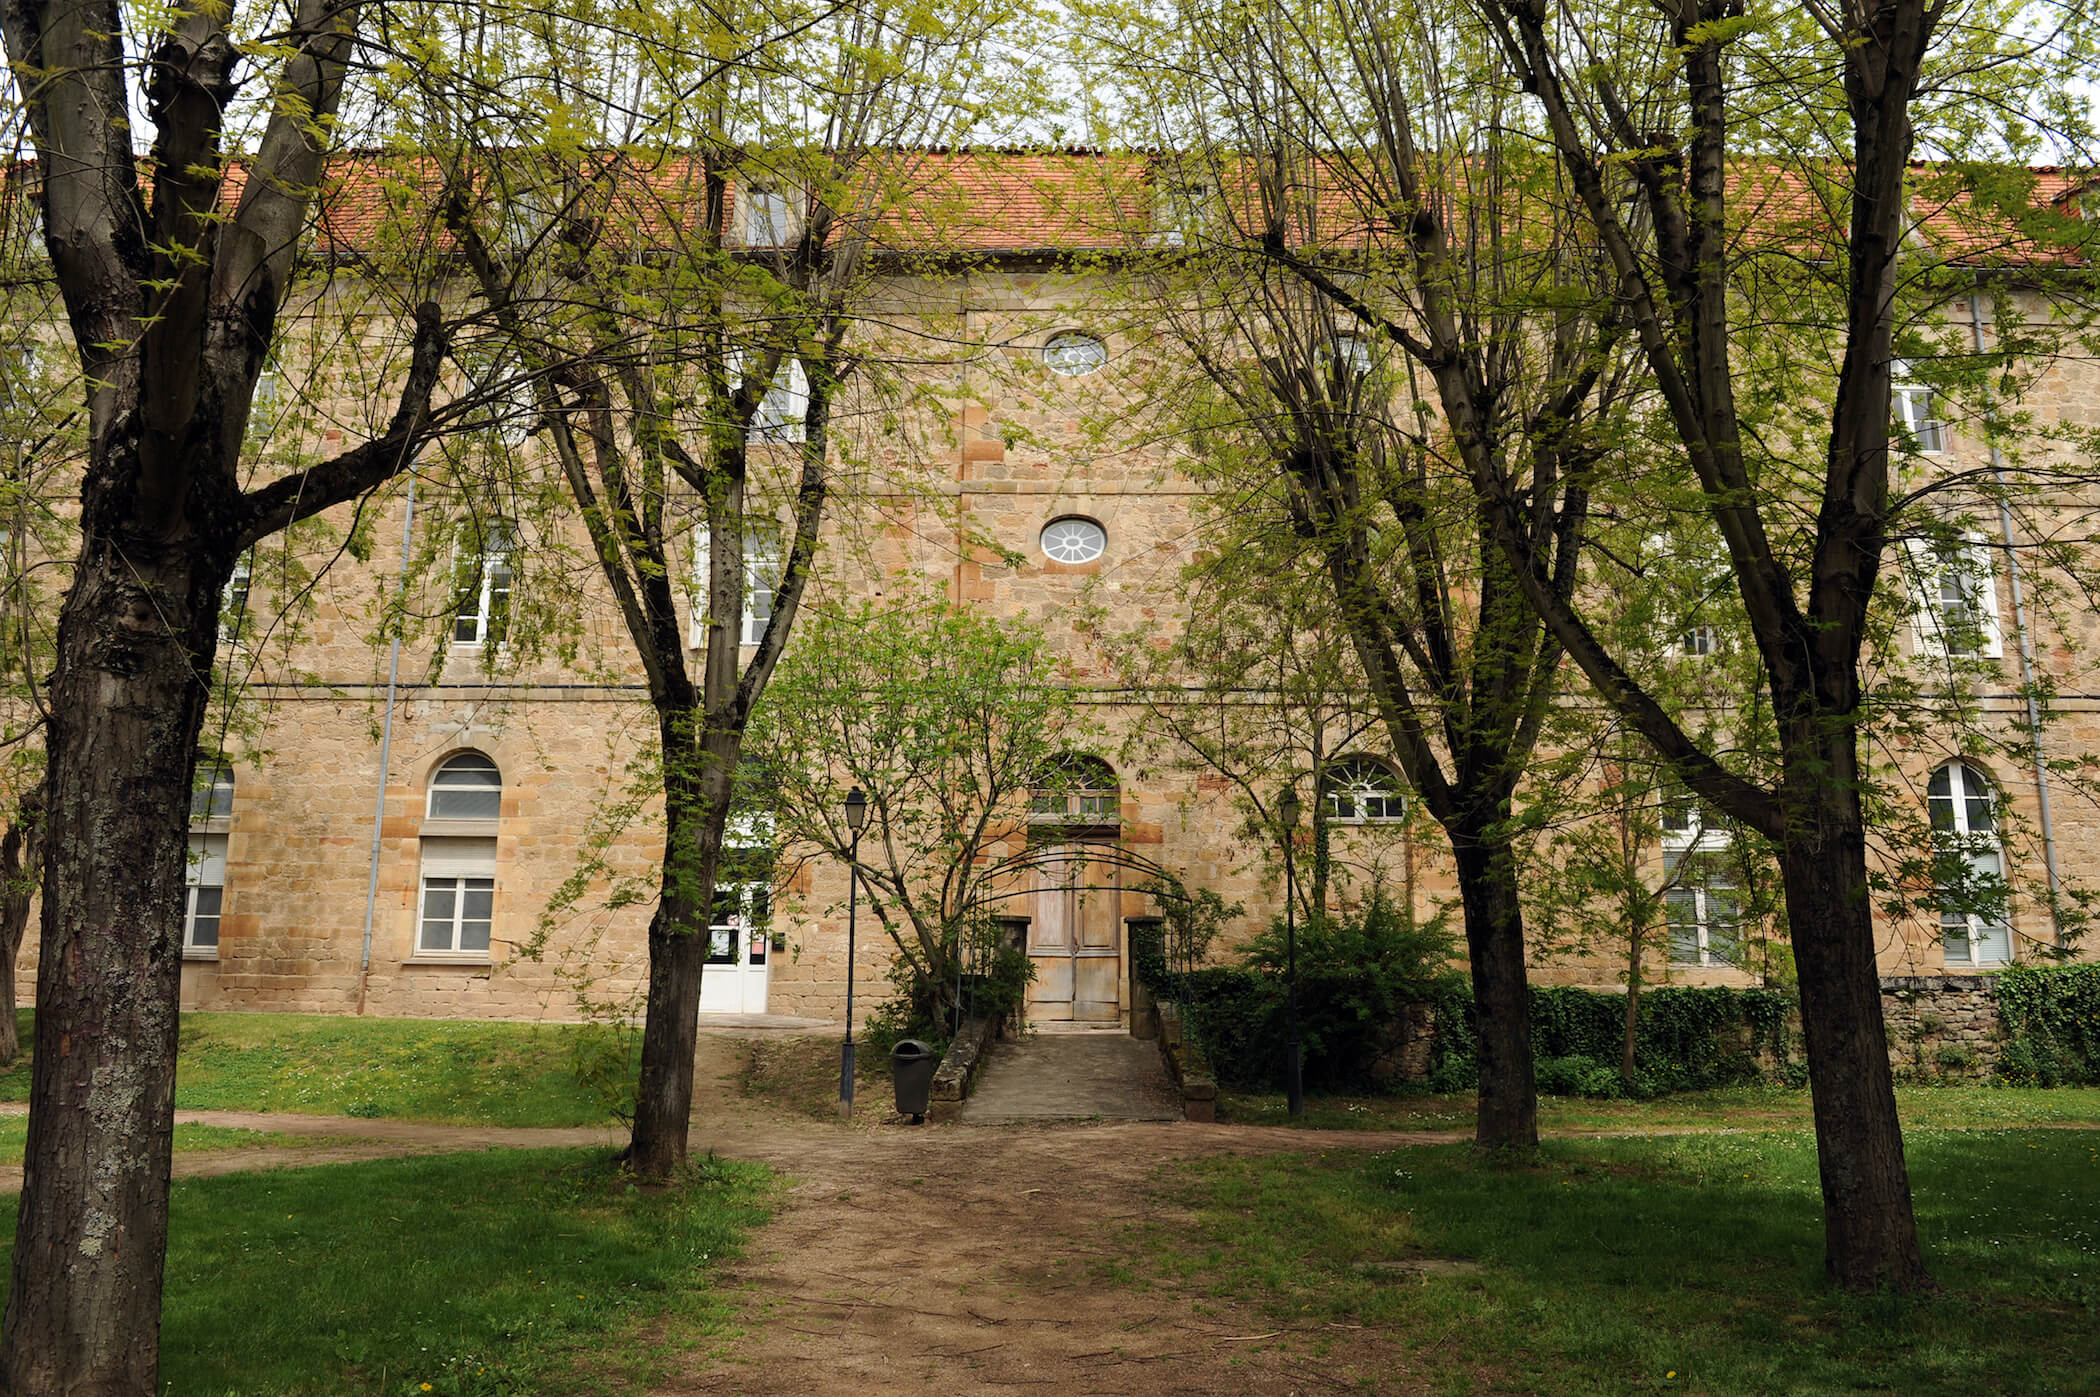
2051, 1019
1578, 1076
931, 1013
1687, 1039
1355, 975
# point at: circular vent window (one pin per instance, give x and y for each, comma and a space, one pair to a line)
1073, 354
1073, 540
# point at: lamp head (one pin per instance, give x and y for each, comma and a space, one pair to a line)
856, 809
1287, 806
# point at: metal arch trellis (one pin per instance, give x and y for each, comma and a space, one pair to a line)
1045, 853
1099, 851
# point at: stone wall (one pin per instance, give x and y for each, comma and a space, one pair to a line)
1941, 1027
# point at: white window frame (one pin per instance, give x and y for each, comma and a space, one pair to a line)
496, 547
456, 867
1099, 537
781, 413
1697, 641
1983, 943
1353, 352
1930, 569
1181, 209
462, 762
767, 216
1346, 779
763, 565
234, 598
1688, 833
1912, 404
263, 404
1082, 799
205, 881
1710, 903
747, 931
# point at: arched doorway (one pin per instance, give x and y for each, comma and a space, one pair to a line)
1075, 930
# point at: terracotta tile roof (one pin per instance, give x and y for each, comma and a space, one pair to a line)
1082, 200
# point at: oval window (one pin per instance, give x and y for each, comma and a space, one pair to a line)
1073, 354
1073, 540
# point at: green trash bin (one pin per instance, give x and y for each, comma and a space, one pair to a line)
912, 1065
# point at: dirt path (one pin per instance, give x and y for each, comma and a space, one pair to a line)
933, 1258
948, 1258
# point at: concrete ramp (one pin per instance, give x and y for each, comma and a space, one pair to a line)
1072, 1076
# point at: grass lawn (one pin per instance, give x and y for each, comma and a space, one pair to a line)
468, 1275
1685, 1264
402, 1069
1757, 1107
14, 1133
801, 1074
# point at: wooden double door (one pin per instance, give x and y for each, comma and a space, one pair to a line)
1075, 938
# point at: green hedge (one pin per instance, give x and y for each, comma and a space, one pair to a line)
1356, 974
2051, 1019
1688, 1039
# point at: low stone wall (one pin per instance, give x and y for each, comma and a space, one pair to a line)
1184, 1060
959, 1066
1942, 1027
1404, 1048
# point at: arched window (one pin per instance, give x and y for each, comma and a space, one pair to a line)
467, 787
1363, 790
459, 869
1077, 790
1971, 866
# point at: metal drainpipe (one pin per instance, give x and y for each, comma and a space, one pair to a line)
2026, 641
386, 747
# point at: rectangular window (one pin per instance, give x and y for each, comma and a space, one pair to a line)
741, 920
768, 221
1955, 599
207, 892
781, 412
1704, 920
233, 601
762, 569
457, 915
1916, 413
459, 897
1183, 213
485, 577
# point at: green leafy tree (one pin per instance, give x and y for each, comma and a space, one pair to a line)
690, 310
1285, 275
954, 723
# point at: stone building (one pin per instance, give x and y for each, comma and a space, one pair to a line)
398, 814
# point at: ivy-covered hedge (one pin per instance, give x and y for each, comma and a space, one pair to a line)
1687, 1040
2051, 1019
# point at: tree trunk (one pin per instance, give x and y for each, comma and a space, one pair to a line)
83, 1314
1487, 887
1633, 1003
697, 789
20, 848
1637, 908
1870, 1235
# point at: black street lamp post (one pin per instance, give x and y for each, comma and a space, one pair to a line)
856, 817
1287, 807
